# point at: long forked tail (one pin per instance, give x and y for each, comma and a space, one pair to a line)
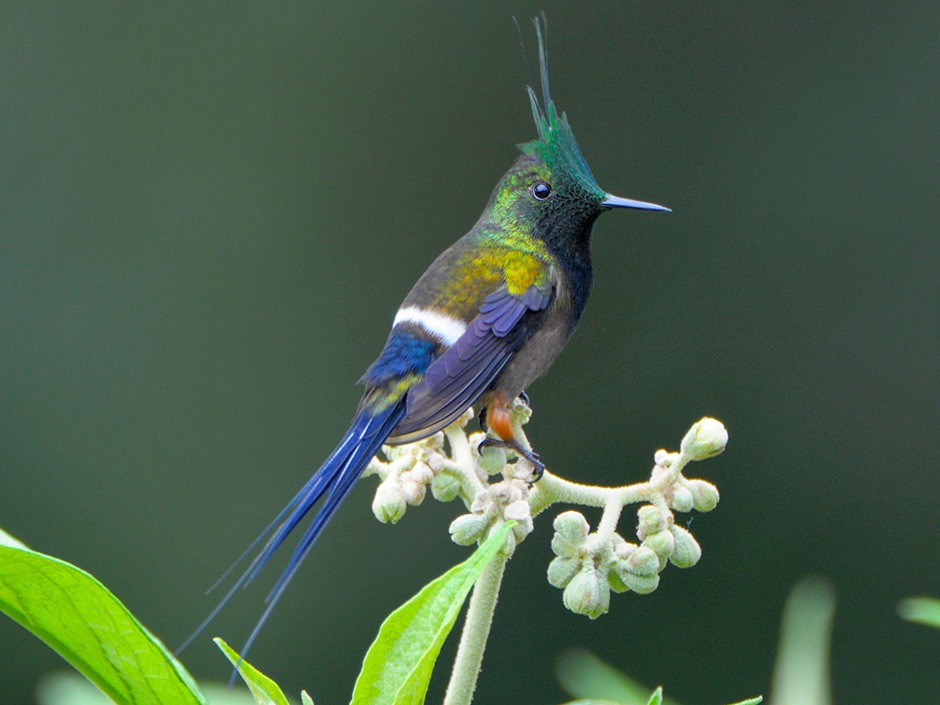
335, 479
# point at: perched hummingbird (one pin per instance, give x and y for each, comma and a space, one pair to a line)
487, 318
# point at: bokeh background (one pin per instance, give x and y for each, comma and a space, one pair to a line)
208, 217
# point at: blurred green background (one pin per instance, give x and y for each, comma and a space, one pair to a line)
209, 216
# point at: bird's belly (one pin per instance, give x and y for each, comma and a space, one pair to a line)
534, 358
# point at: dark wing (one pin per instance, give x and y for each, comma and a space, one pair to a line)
456, 379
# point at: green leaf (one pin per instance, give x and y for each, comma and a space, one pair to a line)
264, 690
657, 697
923, 610
397, 668
68, 688
71, 688
801, 673
583, 675
79, 618
305, 699
751, 701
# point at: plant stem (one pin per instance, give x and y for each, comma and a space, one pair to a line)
476, 629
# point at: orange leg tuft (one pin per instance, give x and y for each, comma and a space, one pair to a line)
498, 418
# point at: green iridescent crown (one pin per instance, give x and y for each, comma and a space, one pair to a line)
556, 145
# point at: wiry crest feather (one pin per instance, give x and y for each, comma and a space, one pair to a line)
556, 145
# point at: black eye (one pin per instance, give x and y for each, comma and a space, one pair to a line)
541, 190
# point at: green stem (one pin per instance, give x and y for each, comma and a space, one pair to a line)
552, 489
476, 629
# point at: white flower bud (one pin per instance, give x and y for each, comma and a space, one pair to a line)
588, 593
562, 570
651, 521
444, 487
394, 452
704, 495
640, 584
706, 439
436, 462
682, 500
624, 549
643, 561
375, 467
512, 539
571, 530
467, 529
413, 491
639, 571
421, 473
523, 528
518, 510
687, 552
662, 544
521, 411
492, 460
389, 502
572, 526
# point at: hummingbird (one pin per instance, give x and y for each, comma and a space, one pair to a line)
486, 319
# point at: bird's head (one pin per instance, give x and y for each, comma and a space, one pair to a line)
550, 187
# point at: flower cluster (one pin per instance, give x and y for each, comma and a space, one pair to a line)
588, 564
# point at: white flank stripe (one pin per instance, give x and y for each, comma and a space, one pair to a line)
444, 327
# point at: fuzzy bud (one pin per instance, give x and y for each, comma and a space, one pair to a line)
588, 593
571, 530
413, 491
444, 487
492, 460
436, 461
662, 543
518, 511
521, 411
643, 561
706, 439
636, 568
704, 495
640, 584
682, 500
624, 549
467, 529
687, 552
421, 473
512, 540
395, 452
562, 570
522, 529
651, 521
389, 503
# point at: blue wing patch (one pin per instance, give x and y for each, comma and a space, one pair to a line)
405, 353
456, 379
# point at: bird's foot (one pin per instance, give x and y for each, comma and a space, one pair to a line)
538, 467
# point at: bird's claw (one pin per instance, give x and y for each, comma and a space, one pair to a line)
538, 467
